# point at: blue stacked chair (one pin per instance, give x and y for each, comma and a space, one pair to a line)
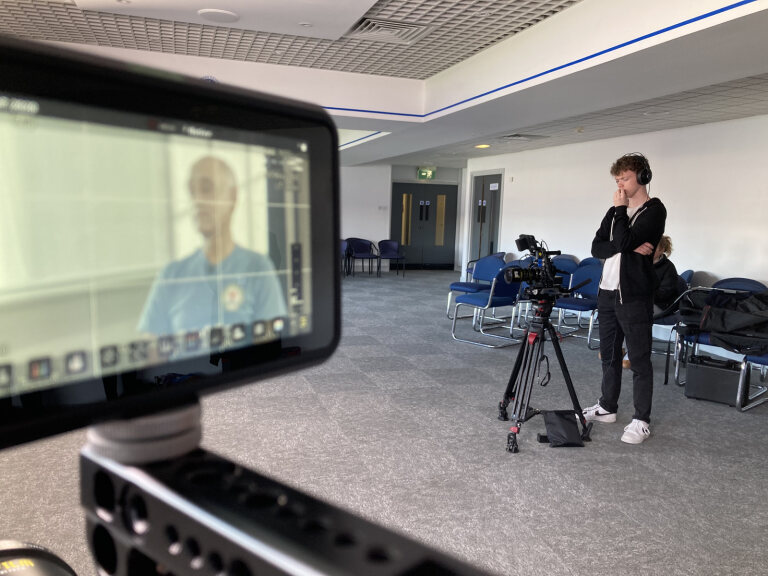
689, 343
687, 275
392, 251
583, 300
361, 249
590, 261
500, 294
750, 395
471, 264
566, 264
483, 273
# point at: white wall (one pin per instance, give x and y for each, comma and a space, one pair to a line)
321, 87
709, 177
366, 195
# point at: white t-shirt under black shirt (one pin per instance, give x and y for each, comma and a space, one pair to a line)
612, 266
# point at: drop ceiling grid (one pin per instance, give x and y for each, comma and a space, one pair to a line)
458, 30
680, 110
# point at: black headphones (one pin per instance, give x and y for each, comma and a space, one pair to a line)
644, 175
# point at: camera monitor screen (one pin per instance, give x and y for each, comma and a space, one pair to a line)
160, 237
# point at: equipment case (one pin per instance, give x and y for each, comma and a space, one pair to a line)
712, 379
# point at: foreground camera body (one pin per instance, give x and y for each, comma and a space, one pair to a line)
171, 238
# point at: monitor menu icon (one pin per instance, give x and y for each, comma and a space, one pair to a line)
259, 329
166, 345
138, 351
40, 369
6, 376
192, 341
75, 362
238, 333
278, 325
216, 337
109, 356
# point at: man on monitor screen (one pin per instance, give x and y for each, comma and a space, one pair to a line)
222, 283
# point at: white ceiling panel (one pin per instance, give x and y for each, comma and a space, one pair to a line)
325, 19
401, 38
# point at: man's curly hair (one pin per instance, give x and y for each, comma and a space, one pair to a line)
632, 162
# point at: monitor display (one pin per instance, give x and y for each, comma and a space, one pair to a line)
159, 237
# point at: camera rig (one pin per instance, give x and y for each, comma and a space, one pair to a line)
543, 288
543, 283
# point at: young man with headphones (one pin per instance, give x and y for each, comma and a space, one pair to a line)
626, 240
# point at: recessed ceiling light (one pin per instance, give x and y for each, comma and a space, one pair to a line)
483, 146
305, 24
218, 16
656, 112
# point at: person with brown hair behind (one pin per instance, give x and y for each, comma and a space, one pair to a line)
669, 281
627, 239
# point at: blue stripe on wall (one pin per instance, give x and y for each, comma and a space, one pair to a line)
359, 139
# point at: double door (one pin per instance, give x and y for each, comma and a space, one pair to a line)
424, 222
486, 197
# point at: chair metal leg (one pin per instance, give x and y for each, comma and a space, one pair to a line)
744, 399
509, 341
589, 334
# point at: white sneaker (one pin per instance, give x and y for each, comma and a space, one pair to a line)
597, 413
636, 432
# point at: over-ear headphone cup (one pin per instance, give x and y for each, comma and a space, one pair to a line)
644, 176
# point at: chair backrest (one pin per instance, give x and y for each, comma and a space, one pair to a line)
590, 261
360, 247
487, 267
504, 289
566, 263
526, 261
687, 276
344, 247
591, 273
746, 284
389, 249
471, 263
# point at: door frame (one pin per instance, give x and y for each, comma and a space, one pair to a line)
466, 213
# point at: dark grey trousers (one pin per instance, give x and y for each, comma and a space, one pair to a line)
631, 322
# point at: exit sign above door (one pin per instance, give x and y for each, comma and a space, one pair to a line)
427, 173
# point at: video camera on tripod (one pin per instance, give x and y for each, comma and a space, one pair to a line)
541, 276
543, 283
544, 288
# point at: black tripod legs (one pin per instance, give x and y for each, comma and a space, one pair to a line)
512, 442
527, 371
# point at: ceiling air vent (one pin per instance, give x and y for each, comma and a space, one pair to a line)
522, 137
377, 30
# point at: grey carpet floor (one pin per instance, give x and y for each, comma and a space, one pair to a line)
400, 427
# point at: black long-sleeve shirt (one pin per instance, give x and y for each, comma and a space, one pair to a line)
617, 233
